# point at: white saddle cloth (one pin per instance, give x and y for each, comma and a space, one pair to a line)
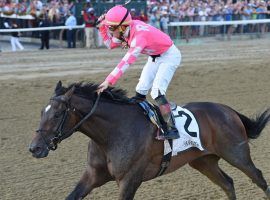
188, 130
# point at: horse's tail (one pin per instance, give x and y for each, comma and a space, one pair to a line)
255, 126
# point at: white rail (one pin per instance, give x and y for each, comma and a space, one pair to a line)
41, 29
220, 23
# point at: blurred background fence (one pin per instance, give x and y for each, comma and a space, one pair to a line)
183, 20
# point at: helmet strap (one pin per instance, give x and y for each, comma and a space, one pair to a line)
124, 18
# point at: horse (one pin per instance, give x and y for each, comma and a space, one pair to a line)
123, 147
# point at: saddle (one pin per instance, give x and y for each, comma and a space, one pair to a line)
153, 113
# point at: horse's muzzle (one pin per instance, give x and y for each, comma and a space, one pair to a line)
38, 152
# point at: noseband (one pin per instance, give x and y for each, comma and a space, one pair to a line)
59, 133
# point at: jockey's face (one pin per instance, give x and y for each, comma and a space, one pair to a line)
117, 31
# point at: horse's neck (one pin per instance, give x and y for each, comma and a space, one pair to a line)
107, 121
94, 130
113, 123
83, 105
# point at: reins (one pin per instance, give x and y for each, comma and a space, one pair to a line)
86, 117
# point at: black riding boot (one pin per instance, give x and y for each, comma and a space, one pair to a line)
170, 131
138, 98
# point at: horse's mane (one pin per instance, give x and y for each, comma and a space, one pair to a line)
88, 91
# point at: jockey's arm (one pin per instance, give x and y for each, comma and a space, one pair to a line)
130, 57
109, 41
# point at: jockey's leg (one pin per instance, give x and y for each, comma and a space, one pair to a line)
146, 79
168, 63
171, 131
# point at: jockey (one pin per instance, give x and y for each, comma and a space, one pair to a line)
118, 29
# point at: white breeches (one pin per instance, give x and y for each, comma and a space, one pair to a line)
15, 43
158, 74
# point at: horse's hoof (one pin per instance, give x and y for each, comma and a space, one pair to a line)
267, 192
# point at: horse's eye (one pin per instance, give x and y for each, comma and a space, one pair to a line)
57, 115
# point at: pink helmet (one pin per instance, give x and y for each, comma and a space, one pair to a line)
116, 15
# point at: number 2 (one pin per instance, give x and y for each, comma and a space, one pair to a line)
187, 123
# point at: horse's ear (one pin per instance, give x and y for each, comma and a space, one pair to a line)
69, 93
58, 88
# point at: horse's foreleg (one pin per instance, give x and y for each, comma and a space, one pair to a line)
131, 181
128, 187
90, 179
208, 165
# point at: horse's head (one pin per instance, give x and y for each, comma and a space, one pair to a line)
57, 120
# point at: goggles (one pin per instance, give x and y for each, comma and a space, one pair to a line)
112, 28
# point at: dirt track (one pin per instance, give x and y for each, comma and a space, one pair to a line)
234, 73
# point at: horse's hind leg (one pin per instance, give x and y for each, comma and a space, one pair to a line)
208, 165
239, 156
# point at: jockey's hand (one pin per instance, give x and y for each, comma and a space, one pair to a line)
103, 86
124, 45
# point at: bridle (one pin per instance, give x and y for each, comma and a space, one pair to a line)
59, 133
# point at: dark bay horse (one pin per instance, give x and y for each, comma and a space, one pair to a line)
123, 147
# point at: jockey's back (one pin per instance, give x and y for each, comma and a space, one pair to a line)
152, 40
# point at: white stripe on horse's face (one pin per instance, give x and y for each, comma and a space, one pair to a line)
48, 108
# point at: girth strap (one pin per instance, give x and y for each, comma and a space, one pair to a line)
165, 161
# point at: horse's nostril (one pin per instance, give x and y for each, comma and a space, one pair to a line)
34, 149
